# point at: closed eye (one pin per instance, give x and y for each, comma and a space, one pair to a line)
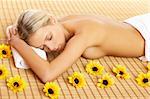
49, 37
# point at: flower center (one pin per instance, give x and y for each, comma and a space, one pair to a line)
16, 84
105, 82
121, 73
1, 72
145, 80
50, 91
4, 52
94, 68
76, 80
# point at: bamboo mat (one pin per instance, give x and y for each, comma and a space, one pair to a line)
116, 9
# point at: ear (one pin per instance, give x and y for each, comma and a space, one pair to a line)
53, 20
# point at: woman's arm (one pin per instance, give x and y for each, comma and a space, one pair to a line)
49, 71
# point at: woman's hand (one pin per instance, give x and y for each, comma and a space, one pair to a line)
11, 31
12, 34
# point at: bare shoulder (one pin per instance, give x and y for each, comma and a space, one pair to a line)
69, 17
73, 50
77, 41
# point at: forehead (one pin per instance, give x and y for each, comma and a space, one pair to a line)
37, 38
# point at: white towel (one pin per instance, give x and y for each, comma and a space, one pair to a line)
20, 63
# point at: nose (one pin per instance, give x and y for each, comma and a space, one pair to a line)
51, 46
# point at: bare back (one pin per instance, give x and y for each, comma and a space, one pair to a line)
107, 37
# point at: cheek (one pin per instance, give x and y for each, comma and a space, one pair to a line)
61, 38
60, 41
58, 37
49, 44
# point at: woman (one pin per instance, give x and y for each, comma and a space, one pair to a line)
74, 36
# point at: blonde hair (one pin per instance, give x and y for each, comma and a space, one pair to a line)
31, 20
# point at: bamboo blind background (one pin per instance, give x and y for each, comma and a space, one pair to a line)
116, 9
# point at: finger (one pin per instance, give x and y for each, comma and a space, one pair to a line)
8, 33
11, 30
14, 31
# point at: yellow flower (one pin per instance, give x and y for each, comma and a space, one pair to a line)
94, 68
106, 81
143, 79
5, 51
148, 66
51, 90
3, 71
16, 83
121, 72
77, 80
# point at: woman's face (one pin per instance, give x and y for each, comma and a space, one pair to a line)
48, 38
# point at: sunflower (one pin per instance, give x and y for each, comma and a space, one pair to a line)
121, 72
16, 83
106, 81
143, 79
51, 90
3, 71
77, 80
94, 68
148, 66
5, 51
